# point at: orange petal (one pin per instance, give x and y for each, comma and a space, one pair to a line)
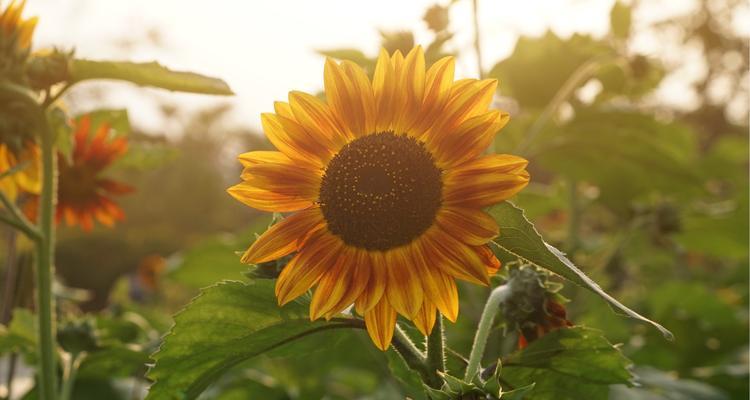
376, 283
453, 257
380, 322
340, 285
470, 225
306, 268
261, 157
384, 89
437, 93
404, 290
316, 119
349, 94
489, 258
469, 140
284, 237
439, 287
424, 320
280, 186
467, 100
289, 137
485, 181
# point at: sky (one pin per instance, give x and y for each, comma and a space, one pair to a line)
264, 49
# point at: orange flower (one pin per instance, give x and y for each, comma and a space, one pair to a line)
82, 194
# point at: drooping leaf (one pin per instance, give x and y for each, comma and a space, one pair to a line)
568, 364
225, 325
519, 239
658, 385
148, 74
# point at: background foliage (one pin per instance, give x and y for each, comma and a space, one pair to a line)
652, 201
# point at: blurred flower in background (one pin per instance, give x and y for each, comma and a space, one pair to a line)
83, 194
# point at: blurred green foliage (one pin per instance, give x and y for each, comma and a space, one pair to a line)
651, 199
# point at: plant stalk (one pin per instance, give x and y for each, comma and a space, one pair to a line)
45, 256
491, 308
436, 347
69, 376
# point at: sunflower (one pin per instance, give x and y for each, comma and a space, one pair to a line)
14, 29
386, 182
26, 162
82, 195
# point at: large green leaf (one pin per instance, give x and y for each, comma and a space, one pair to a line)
519, 239
576, 363
225, 325
148, 74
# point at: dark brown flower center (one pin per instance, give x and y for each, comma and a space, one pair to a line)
381, 191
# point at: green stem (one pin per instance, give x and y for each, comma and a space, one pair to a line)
17, 220
413, 358
69, 376
574, 223
436, 347
491, 308
45, 257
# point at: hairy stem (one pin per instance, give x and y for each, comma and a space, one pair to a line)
436, 347
413, 358
69, 376
44, 260
491, 308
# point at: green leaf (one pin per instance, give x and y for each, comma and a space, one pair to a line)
115, 361
540, 66
519, 393
409, 379
20, 336
148, 74
519, 239
568, 364
225, 325
659, 385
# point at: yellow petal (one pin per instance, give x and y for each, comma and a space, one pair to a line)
340, 285
453, 257
284, 237
425, 318
380, 322
376, 283
384, 86
317, 120
470, 225
484, 181
469, 140
439, 287
404, 290
307, 267
289, 138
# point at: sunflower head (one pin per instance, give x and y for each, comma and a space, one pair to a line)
83, 194
15, 40
385, 181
